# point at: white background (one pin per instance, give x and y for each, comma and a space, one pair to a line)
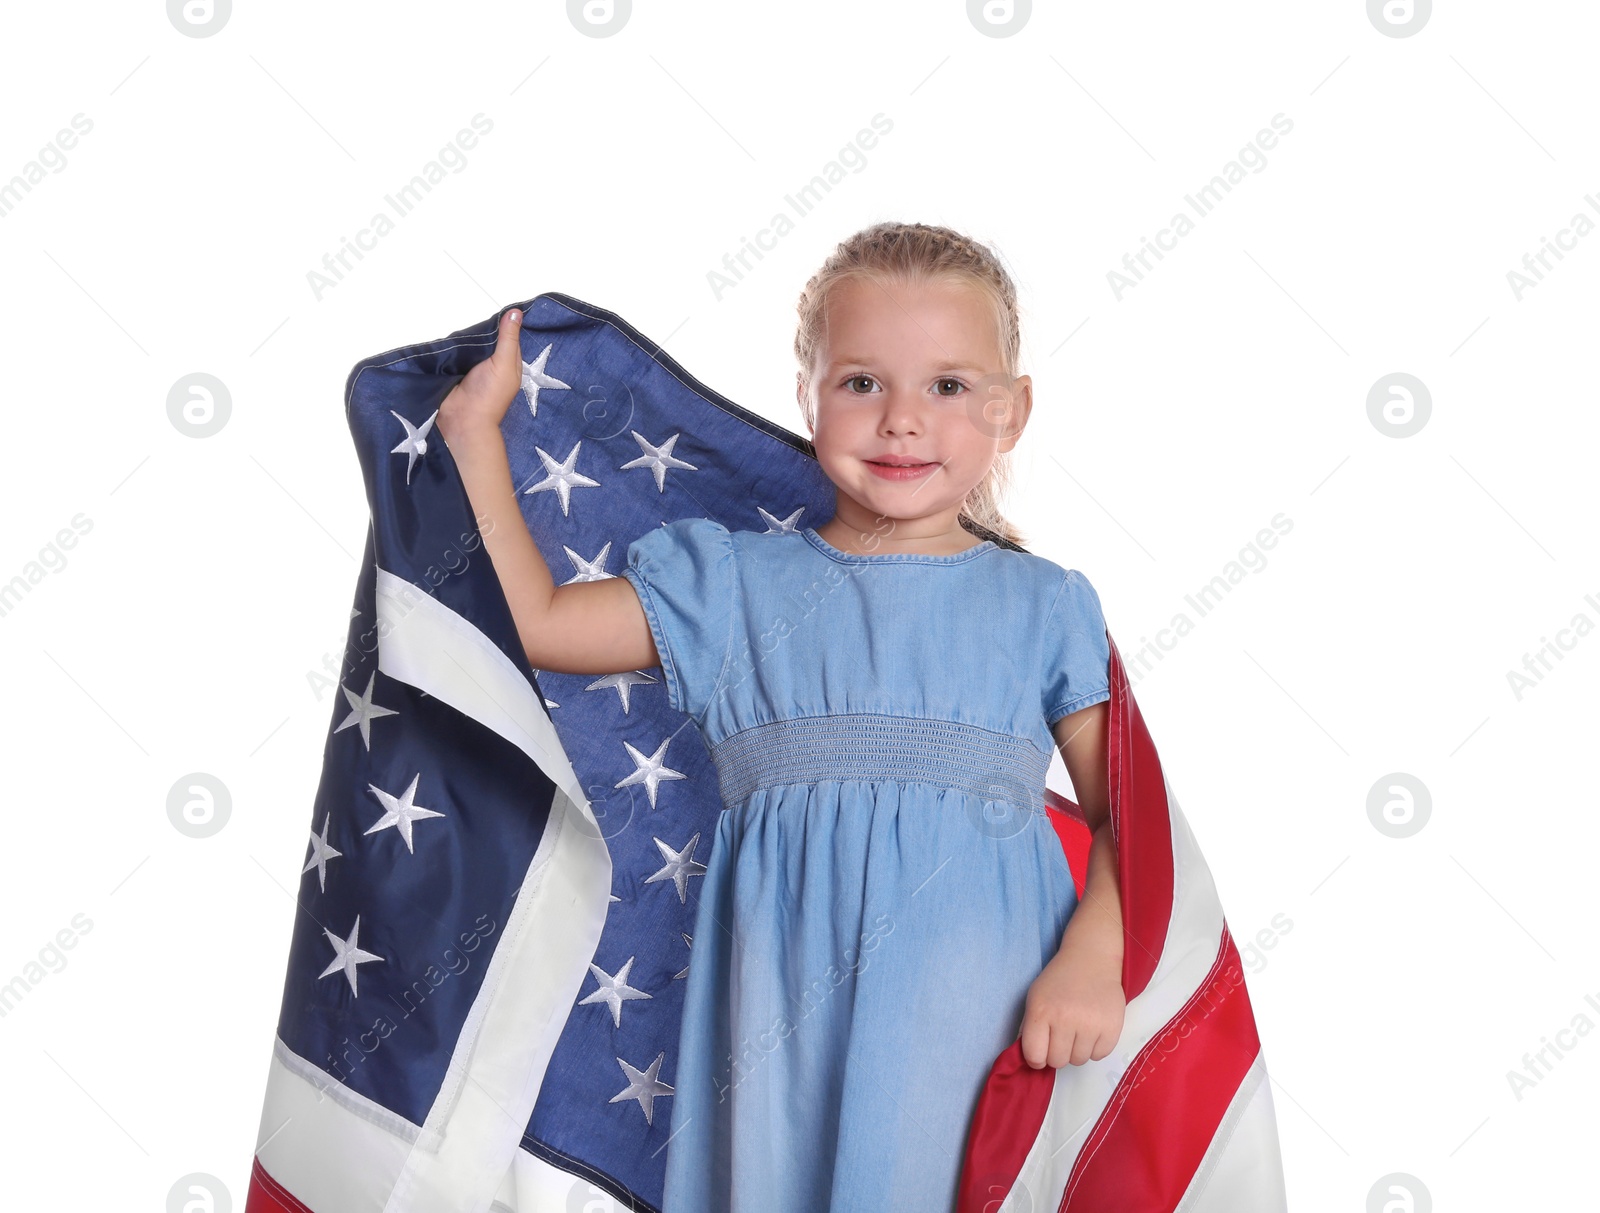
1169, 427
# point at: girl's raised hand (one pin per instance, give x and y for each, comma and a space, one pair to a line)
482, 398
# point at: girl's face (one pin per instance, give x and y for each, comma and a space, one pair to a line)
911, 374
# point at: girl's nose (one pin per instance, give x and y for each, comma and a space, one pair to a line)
902, 413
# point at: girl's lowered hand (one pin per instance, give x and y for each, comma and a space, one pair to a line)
1073, 1012
483, 396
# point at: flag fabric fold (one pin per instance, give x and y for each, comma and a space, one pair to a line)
495, 912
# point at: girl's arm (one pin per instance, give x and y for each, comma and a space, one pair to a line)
587, 627
1097, 923
1075, 1007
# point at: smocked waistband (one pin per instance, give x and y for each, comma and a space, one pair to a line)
869, 746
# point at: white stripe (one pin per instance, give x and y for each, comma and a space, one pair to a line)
423, 642
1242, 1168
502, 1053
536, 972
1081, 1092
328, 1156
335, 1150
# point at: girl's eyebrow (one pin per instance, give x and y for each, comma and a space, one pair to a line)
939, 368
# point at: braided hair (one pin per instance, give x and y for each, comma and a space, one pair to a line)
915, 253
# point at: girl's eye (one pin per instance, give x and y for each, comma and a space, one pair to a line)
854, 380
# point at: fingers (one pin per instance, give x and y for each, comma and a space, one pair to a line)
1082, 1043
508, 345
1059, 1046
1064, 1039
1035, 1041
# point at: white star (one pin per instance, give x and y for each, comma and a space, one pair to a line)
780, 526
649, 771
415, 443
688, 942
346, 955
613, 991
398, 811
562, 477
588, 570
321, 852
622, 682
534, 378
679, 867
658, 458
365, 711
643, 1086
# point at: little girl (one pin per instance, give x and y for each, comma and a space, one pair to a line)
885, 906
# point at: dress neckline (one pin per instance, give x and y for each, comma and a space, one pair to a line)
827, 549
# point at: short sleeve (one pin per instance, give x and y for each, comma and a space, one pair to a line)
1077, 654
685, 576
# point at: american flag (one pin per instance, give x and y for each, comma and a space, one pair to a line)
496, 905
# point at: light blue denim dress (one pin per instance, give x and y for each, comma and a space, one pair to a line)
883, 886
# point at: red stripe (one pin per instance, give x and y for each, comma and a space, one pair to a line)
1067, 818
1011, 1109
267, 1195
1141, 824
1142, 1155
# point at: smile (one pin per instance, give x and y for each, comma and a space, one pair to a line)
900, 471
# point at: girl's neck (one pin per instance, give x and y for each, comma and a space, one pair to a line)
890, 536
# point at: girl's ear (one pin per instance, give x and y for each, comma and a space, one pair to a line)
1022, 408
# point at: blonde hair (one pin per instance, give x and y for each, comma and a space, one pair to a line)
914, 254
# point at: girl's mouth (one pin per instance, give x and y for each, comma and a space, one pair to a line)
900, 471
